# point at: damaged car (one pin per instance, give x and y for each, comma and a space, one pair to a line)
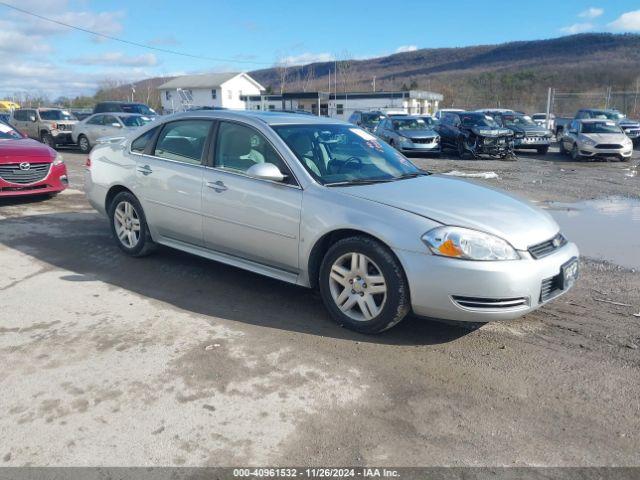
476, 134
527, 134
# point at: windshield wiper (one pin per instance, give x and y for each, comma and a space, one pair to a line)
412, 175
360, 181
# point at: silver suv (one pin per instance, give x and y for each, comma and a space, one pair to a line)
52, 126
322, 203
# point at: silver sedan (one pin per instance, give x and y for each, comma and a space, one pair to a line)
87, 132
324, 204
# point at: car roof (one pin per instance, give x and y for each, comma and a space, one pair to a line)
270, 118
595, 120
119, 114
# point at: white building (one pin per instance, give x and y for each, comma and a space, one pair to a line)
211, 90
343, 105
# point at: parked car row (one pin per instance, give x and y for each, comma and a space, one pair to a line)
57, 126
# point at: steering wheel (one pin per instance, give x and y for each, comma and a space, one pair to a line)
350, 160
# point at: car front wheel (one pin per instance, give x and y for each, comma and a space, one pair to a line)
363, 285
47, 139
129, 225
575, 153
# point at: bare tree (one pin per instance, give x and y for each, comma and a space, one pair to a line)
309, 78
282, 68
345, 71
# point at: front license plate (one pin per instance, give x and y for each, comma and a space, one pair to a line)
569, 272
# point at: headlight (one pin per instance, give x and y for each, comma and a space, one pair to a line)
405, 140
457, 242
58, 160
589, 142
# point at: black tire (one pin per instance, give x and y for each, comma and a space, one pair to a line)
83, 144
542, 150
48, 140
575, 153
460, 147
563, 151
397, 303
145, 244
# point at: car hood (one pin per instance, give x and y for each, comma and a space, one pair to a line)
465, 204
530, 129
426, 133
24, 147
628, 123
606, 137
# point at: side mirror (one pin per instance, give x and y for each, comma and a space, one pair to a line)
266, 171
32, 118
116, 125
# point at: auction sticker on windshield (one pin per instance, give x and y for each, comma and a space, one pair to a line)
362, 134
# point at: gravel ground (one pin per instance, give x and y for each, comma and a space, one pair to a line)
176, 360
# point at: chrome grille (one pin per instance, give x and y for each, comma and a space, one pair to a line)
547, 247
422, 140
64, 127
12, 173
480, 303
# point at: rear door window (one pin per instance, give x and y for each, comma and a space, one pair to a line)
139, 145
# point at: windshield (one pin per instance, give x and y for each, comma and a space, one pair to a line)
409, 124
140, 108
340, 154
428, 121
56, 115
477, 121
372, 119
600, 127
135, 120
517, 120
8, 133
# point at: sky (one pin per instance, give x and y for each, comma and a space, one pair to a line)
40, 57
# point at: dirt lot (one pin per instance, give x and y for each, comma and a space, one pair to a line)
175, 360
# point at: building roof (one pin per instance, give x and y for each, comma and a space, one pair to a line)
209, 80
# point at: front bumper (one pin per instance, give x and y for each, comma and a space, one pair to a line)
421, 147
593, 152
436, 282
531, 142
60, 136
54, 182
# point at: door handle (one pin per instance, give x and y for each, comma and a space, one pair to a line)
218, 186
146, 170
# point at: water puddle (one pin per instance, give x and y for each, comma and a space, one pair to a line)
606, 229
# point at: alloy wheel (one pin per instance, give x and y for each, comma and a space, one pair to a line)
127, 224
83, 143
358, 286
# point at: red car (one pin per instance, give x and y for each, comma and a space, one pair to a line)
28, 167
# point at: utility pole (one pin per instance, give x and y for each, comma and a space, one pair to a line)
548, 119
374, 83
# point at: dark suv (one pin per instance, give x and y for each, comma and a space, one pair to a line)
124, 107
475, 133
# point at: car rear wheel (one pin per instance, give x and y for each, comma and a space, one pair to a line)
83, 143
47, 139
129, 225
363, 285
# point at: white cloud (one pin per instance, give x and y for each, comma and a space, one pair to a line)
117, 59
307, 57
406, 48
627, 22
577, 28
591, 12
